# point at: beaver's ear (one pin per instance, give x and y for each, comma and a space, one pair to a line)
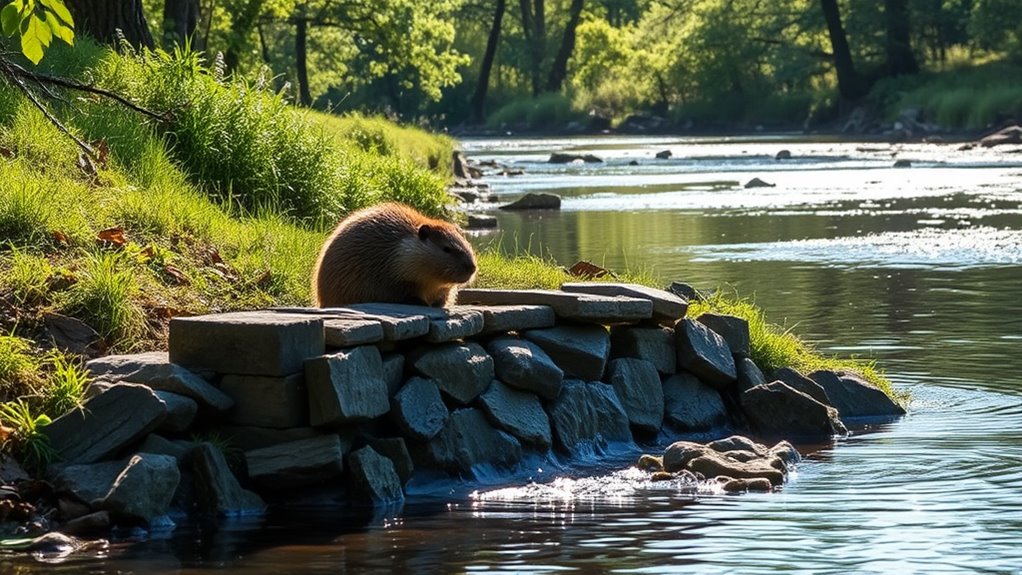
425, 230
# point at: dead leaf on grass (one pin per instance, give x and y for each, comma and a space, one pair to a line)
60, 237
113, 236
177, 275
588, 270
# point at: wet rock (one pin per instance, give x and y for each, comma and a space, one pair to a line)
733, 329
691, 405
565, 158
739, 443
588, 413
637, 385
303, 462
217, 491
574, 306
87, 482
419, 410
749, 374
468, 440
783, 155
74, 336
524, 365
535, 201
653, 344
246, 343
88, 523
733, 485
712, 463
853, 396
903, 163
396, 450
667, 307
1009, 135
106, 424
393, 372
680, 453
580, 351
154, 370
786, 452
758, 183
264, 401
650, 463
799, 382
181, 412
518, 413
777, 409
373, 477
461, 370
346, 386
247, 437
664, 155
481, 222
704, 353
144, 489
505, 318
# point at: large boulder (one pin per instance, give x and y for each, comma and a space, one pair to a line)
303, 462
154, 370
346, 386
469, 440
1008, 135
143, 489
588, 414
518, 413
418, 409
704, 353
691, 405
637, 385
777, 409
460, 370
653, 344
581, 351
524, 365
853, 396
373, 477
106, 423
799, 382
733, 329
217, 490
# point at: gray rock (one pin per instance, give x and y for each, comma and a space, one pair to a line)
666, 306
777, 409
217, 491
106, 424
444, 324
396, 325
144, 489
588, 414
469, 440
373, 477
246, 343
157, 445
248, 437
563, 304
154, 370
89, 523
664, 155
749, 374
1008, 135
265, 401
637, 385
680, 453
783, 155
481, 222
739, 443
518, 413
581, 307
72, 335
758, 183
524, 365
505, 318
393, 372
902, 163
298, 463
181, 411
419, 410
704, 353
10, 471
691, 405
396, 450
462, 371
712, 464
349, 332
733, 329
346, 386
567, 158
609, 310
685, 291
89, 481
535, 201
853, 396
580, 351
653, 344
799, 382
786, 452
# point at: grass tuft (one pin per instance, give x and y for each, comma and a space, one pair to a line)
104, 296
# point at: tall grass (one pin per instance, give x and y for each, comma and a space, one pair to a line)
19, 368
105, 297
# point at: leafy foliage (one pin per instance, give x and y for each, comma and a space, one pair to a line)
37, 22
24, 439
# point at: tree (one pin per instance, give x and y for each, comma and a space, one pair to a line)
534, 30
483, 83
102, 19
560, 66
180, 19
850, 84
898, 45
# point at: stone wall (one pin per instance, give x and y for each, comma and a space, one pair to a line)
363, 397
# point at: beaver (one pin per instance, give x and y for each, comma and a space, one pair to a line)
392, 253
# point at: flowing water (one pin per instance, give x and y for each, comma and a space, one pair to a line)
918, 267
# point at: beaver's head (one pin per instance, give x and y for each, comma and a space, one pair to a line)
455, 261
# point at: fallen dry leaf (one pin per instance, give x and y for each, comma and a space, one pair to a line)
60, 237
113, 236
588, 270
177, 275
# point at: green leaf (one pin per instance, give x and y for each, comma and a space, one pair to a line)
10, 17
41, 30
60, 11
65, 33
31, 44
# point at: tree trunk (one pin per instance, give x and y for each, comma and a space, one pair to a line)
850, 84
241, 29
900, 59
479, 97
180, 18
559, 68
301, 61
535, 37
102, 18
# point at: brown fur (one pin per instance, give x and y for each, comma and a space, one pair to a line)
392, 253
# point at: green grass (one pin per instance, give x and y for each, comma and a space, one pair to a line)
19, 367
104, 296
23, 439
545, 112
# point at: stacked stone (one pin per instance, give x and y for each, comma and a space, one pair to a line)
361, 397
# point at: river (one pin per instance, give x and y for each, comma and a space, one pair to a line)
919, 267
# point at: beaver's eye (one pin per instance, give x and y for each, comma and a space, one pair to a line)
448, 250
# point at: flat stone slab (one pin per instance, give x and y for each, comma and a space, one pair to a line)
346, 386
517, 412
350, 332
248, 437
298, 463
581, 351
507, 318
418, 409
705, 353
444, 324
280, 402
666, 305
462, 371
106, 423
575, 306
247, 343
396, 327
522, 364
154, 370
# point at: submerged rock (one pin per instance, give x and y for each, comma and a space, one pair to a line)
468, 440
144, 489
518, 413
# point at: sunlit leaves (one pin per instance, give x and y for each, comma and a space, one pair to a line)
37, 22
